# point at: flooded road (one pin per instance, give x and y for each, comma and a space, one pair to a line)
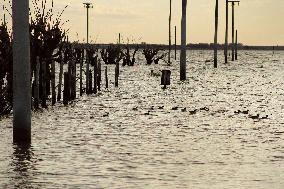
202, 133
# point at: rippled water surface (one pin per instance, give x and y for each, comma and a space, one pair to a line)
138, 136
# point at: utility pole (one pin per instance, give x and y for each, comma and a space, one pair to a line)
87, 5
21, 73
170, 41
175, 42
216, 36
183, 42
233, 28
226, 32
236, 46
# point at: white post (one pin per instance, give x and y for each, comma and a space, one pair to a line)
183, 42
21, 72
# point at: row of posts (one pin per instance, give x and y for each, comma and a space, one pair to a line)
43, 79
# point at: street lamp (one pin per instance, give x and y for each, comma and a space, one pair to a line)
87, 5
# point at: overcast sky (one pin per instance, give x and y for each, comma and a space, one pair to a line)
259, 22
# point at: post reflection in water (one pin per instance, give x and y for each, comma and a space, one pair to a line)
22, 166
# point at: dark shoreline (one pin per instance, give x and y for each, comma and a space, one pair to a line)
190, 46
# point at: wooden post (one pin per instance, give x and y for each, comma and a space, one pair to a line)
72, 79
48, 78
90, 82
36, 87
95, 78
183, 42
236, 46
53, 92
81, 72
87, 73
116, 75
21, 73
66, 91
175, 42
99, 75
233, 31
170, 41
226, 32
216, 36
60, 78
43, 75
106, 77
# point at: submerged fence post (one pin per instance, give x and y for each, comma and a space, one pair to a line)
95, 77
60, 77
87, 73
21, 72
99, 75
183, 42
116, 75
43, 75
90, 82
81, 72
216, 36
36, 87
106, 77
66, 91
53, 92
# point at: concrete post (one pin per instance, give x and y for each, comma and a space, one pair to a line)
21, 72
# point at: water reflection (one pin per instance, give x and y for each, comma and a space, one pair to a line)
22, 166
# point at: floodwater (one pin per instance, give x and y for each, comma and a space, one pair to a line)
138, 136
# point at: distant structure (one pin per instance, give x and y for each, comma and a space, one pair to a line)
21, 73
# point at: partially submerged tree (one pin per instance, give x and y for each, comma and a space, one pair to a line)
152, 55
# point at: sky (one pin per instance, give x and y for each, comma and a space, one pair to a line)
259, 22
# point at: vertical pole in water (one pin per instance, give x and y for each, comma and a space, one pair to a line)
95, 77
43, 75
99, 75
91, 82
87, 72
53, 82
183, 42
21, 73
170, 41
226, 33
106, 77
233, 30
36, 90
175, 42
236, 46
116, 75
66, 91
216, 35
60, 77
81, 71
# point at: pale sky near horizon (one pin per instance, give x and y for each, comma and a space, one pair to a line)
259, 22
